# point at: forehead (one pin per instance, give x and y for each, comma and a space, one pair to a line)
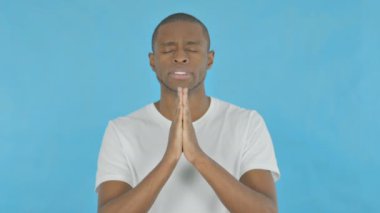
180, 30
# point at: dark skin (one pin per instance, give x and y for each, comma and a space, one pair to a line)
180, 60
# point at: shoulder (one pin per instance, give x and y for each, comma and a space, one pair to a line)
233, 112
138, 117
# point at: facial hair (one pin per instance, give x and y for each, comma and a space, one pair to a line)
175, 90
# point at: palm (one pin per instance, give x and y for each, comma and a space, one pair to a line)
189, 138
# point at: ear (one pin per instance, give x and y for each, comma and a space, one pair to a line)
210, 58
151, 61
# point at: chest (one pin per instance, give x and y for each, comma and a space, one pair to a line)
144, 149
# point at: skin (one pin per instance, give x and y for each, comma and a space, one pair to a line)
182, 46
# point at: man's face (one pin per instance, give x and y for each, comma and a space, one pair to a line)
181, 57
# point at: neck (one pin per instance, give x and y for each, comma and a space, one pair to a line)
198, 102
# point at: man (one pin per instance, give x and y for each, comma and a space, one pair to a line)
187, 152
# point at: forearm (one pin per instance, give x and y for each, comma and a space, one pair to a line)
142, 197
236, 196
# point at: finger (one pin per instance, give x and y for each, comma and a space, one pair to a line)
177, 102
179, 106
187, 116
184, 101
185, 98
179, 94
180, 118
179, 123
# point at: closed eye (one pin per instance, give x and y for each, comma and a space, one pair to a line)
192, 50
167, 51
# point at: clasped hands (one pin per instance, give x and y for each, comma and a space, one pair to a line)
182, 137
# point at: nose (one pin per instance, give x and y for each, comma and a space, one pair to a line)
180, 57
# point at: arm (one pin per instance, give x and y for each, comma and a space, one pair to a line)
115, 196
255, 192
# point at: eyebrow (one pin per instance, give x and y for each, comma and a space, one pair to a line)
173, 43
168, 43
193, 42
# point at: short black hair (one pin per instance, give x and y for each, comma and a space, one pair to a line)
181, 17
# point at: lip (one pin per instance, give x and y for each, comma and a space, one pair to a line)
180, 74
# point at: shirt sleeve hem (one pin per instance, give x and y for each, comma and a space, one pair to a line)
274, 170
109, 178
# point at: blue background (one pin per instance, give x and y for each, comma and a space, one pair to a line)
311, 68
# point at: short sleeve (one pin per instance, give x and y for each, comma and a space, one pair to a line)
112, 163
258, 151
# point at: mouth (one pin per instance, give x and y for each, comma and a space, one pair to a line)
180, 75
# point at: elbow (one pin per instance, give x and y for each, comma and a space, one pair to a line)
107, 209
273, 210
266, 209
101, 209
270, 208
263, 208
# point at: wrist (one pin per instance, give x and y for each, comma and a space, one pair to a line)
170, 159
199, 158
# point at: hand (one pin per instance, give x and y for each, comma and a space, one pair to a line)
190, 145
174, 148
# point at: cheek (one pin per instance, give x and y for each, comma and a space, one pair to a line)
202, 67
160, 63
163, 63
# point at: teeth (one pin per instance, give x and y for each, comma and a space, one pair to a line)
180, 73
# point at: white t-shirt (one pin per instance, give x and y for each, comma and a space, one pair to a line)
235, 138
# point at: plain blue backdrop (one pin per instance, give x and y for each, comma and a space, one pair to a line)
311, 68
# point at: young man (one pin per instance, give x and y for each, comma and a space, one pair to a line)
187, 152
